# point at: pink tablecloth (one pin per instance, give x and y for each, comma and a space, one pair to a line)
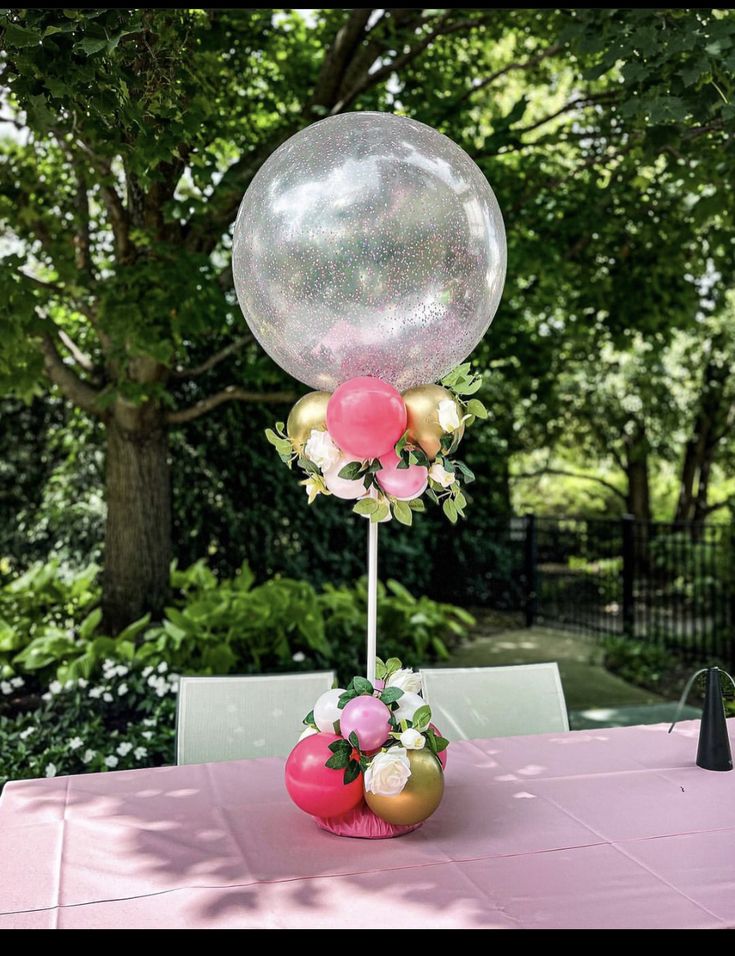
610, 828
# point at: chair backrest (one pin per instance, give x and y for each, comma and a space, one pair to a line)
476, 702
234, 718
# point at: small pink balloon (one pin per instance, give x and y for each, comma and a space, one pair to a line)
343, 487
402, 483
369, 718
317, 789
366, 417
443, 755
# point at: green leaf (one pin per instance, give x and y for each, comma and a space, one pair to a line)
392, 665
380, 670
362, 685
351, 471
422, 717
390, 695
90, 46
352, 772
347, 697
16, 36
402, 512
450, 510
337, 762
382, 512
366, 506
89, 624
416, 504
441, 744
476, 408
309, 719
466, 473
353, 740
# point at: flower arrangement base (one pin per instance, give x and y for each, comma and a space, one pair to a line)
363, 824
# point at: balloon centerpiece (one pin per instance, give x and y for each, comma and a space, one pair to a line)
369, 259
370, 763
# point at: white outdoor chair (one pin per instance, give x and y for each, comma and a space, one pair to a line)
235, 718
476, 702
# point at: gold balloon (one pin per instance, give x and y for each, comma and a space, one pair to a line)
309, 412
422, 404
419, 798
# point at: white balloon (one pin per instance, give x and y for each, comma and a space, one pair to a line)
408, 704
309, 732
326, 711
369, 244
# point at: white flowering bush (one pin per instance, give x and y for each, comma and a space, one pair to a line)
121, 720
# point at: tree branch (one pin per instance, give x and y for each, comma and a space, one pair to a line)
569, 474
77, 391
347, 39
215, 359
81, 358
371, 79
231, 394
516, 65
119, 218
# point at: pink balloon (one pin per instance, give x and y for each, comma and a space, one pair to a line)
317, 789
369, 718
402, 483
366, 417
443, 755
343, 487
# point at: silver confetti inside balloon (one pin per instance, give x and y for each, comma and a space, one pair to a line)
369, 244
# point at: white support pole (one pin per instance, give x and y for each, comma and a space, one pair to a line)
372, 602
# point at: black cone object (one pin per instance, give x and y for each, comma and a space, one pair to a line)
713, 749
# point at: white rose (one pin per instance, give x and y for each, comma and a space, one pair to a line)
412, 739
407, 706
321, 450
388, 772
448, 415
406, 680
441, 475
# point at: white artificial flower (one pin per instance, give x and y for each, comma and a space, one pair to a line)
162, 667
6, 687
147, 734
321, 450
406, 680
25, 734
408, 704
107, 698
299, 657
139, 753
440, 475
124, 749
17, 681
122, 689
111, 761
89, 755
388, 772
95, 692
54, 687
82, 683
75, 743
412, 740
50, 770
448, 415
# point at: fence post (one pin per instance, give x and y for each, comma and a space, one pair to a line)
531, 570
628, 525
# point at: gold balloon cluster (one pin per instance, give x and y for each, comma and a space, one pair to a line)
419, 798
422, 405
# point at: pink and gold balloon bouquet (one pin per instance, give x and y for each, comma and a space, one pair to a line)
369, 260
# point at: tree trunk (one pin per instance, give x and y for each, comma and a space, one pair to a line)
639, 492
138, 532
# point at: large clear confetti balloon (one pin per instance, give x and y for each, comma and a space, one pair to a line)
369, 244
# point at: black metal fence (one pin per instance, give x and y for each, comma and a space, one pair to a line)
672, 584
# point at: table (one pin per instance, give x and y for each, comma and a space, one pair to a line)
608, 828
